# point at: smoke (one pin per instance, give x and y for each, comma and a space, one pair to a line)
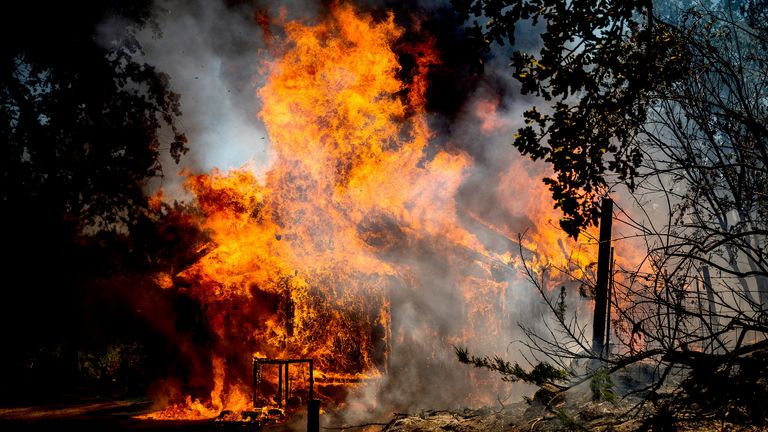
500, 195
215, 53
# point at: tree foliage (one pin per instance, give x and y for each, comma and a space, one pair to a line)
598, 65
84, 128
81, 119
706, 139
541, 374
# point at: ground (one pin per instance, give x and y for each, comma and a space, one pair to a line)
87, 416
580, 413
113, 416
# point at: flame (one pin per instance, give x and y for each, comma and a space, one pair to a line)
301, 258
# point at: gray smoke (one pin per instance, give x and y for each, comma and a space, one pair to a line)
212, 54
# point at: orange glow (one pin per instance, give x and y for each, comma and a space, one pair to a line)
486, 110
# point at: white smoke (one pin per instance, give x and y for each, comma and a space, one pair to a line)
212, 54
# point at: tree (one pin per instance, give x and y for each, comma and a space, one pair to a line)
83, 127
81, 118
704, 299
598, 64
707, 136
694, 314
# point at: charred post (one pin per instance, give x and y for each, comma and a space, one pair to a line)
313, 405
256, 381
313, 415
601, 284
287, 386
608, 309
280, 385
311, 380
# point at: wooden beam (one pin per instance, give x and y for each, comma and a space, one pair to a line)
601, 284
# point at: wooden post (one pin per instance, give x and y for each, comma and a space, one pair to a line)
287, 385
601, 284
311, 380
701, 332
313, 415
280, 385
608, 310
313, 405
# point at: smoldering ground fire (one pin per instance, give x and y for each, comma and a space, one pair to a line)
349, 248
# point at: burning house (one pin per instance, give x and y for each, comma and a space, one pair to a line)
349, 248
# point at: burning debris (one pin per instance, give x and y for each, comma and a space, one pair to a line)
264, 411
283, 387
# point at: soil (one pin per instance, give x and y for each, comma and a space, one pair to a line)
518, 417
91, 416
118, 416
577, 412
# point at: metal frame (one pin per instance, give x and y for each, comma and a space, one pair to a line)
282, 390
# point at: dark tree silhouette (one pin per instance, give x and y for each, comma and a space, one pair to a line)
83, 127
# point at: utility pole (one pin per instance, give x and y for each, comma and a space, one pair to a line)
601, 284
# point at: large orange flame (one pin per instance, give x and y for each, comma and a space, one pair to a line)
301, 258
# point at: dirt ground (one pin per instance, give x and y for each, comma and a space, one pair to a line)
116, 416
517, 417
90, 416
578, 413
